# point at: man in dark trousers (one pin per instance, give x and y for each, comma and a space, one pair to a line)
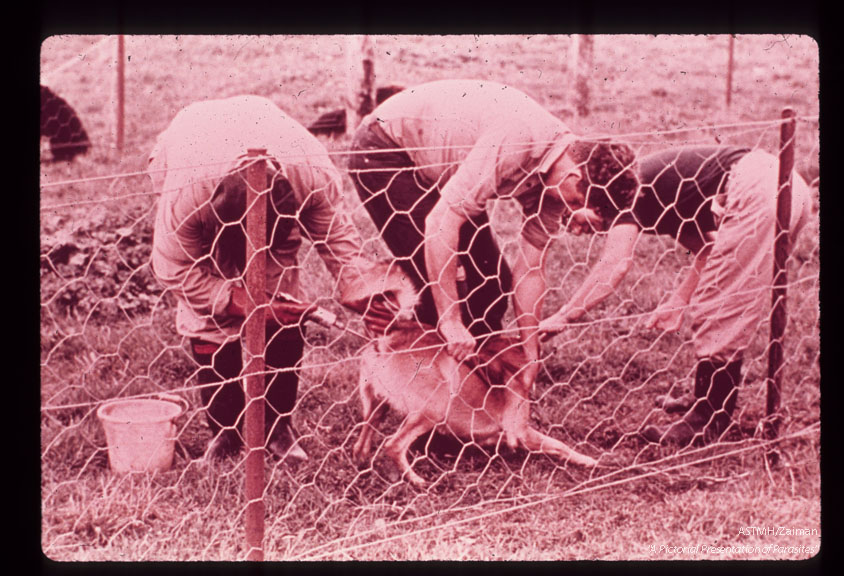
198, 167
427, 163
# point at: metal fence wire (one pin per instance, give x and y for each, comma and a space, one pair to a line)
108, 328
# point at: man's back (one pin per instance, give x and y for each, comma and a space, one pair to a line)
501, 129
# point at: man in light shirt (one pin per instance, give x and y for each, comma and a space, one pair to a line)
426, 164
198, 168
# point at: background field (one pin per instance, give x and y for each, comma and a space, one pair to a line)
107, 329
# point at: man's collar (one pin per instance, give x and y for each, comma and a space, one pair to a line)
560, 146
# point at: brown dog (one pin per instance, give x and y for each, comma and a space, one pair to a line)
411, 371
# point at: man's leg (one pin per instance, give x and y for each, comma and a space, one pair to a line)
223, 401
283, 353
729, 306
488, 278
398, 204
716, 390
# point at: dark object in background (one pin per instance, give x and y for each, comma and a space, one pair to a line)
61, 124
333, 123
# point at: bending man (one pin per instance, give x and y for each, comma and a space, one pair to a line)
426, 164
719, 203
198, 166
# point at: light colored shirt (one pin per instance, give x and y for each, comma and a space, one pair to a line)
480, 140
204, 143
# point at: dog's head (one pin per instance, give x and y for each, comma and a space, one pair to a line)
385, 281
502, 359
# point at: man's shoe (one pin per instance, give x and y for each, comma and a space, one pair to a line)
285, 446
672, 405
681, 433
225, 445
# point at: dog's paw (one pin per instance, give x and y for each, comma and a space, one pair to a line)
582, 460
415, 479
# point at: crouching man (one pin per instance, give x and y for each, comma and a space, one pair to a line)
198, 168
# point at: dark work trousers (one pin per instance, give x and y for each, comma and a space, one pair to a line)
225, 403
398, 202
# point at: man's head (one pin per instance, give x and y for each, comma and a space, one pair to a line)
597, 179
609, 179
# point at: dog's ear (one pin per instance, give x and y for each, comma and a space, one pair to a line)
384, 279
503, 359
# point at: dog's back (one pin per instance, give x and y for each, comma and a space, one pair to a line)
411, 370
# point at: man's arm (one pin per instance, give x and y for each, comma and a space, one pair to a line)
611, 268
337, 241
669, 316
528, 297
179, 258
442, 233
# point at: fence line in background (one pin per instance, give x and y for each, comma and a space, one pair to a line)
342, 153
47, 77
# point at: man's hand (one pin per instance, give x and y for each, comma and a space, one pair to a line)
459, 341
668, 317
554, 323
558, 321
281, 311
288, 313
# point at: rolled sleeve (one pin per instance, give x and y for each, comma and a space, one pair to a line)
480, 174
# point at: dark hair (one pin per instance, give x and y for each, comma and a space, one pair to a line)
610, 180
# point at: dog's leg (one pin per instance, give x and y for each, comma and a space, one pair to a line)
536, 441
515, 414
514, 418
363, 447
399, 443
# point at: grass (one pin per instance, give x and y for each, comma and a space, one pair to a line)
107, 329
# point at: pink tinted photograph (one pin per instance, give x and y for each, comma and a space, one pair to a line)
429, 297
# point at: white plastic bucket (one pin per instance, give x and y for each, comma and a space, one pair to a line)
140, 433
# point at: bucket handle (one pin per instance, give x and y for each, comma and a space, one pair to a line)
176, 400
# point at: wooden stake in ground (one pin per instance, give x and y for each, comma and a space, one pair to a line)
730, 70
120, 84
360, 79
253, 349
581, 55
778, 313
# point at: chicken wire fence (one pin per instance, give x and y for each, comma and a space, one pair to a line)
108, 332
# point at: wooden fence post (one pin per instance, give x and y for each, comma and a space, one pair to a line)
360, 79
730, 71
780, 279
119, 113
581, 55
255, 341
